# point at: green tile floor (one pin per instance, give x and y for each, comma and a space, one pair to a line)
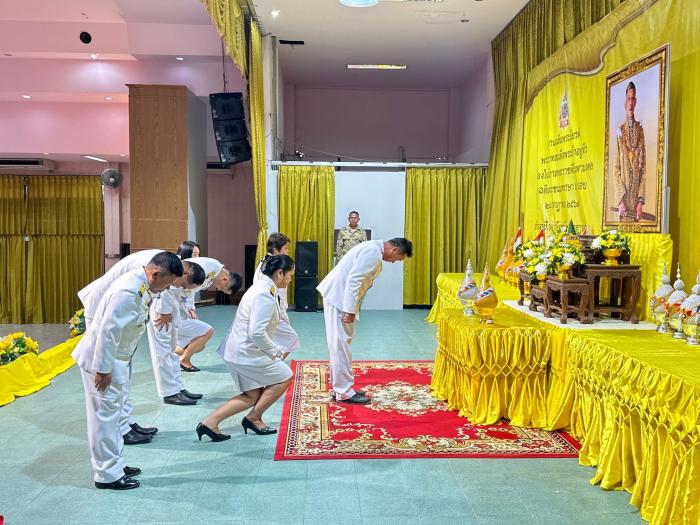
46, 478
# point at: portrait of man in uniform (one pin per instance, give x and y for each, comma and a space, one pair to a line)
634, 160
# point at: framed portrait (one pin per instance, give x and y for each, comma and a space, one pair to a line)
635, 145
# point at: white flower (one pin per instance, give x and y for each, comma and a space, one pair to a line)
613, 232
528, 253
568, 258
541, 268
597, 243
550, 239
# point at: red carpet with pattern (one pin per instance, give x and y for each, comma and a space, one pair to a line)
403, 420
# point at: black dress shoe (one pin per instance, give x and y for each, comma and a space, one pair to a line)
124, 483
179, 399
134, 438
130, 472
146, 431
357, 399
188, 368
191, 395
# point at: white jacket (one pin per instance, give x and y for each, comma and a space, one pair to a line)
90, 295
211, 268
118, 323
345, 285
248, 341
281, 293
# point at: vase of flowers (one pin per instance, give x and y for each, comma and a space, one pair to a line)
611, 243
562, 257
77, 323
13, 346
530, 253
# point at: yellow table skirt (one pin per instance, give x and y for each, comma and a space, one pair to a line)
634, 403
32, 372
448, 286
489, 372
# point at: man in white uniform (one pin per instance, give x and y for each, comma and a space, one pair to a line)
135, 434
193, 333
162, 337
104, 356
343, 290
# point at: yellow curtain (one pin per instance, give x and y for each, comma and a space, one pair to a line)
443, 214
307, 211
257, 133
229, 21
65, 225
12, 219
542, 27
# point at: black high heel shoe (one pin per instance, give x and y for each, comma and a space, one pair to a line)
248, 424
202, 429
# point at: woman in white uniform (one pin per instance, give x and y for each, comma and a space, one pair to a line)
193, 333
285, 336
253, 358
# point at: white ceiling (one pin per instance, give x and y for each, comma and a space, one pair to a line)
429, 37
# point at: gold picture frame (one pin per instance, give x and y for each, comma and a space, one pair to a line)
635, 145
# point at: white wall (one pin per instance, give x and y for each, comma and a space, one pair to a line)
380, 198
367, 124
197, 223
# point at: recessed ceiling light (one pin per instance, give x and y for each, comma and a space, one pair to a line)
376, 66
179, 59
47, 154
122, 154
92, 157
94, 56
359, 3
108, 98
27, 96
275, 13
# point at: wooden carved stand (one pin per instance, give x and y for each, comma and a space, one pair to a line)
625, 287
565, 296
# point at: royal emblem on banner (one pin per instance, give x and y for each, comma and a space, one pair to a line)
564, 112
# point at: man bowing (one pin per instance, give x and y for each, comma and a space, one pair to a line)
343, 290
104, 357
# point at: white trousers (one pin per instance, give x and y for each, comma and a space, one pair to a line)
104, 435
166, 363
127, 409
339, 338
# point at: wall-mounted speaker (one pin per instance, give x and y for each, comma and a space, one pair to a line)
230, 132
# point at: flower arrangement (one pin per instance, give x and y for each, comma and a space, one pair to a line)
611, 239
16, 345
530, 253
77, 323
563, 254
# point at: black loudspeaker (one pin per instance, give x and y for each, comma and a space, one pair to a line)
306, 259
229, 127
250, 264
305, 294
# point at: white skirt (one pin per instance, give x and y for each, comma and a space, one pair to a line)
188, 329
250, 377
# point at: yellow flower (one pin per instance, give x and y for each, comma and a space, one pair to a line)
142, 289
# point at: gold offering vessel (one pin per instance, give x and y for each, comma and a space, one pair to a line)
486, 301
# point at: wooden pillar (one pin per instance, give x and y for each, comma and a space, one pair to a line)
162, 165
